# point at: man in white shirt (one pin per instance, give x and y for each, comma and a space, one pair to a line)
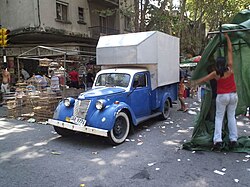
54, 82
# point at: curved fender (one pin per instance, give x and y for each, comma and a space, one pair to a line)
105, 119
164, 98
62, 111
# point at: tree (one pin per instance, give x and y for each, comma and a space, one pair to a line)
189, 20
212, 12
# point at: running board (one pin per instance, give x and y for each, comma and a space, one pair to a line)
140, 120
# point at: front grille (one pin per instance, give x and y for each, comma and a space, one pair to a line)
81, 108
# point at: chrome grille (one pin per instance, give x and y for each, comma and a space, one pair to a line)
81, 108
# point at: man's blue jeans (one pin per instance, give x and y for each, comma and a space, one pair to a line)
226, 103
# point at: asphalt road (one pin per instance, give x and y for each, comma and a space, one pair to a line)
32, 154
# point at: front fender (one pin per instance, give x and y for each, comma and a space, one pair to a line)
62, 111
105, 119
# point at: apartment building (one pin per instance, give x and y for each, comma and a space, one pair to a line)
64, 24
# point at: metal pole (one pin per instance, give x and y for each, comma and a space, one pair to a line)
64, 64
229, 31
18, 69
4, 56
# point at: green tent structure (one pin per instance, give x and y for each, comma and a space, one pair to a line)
239, 33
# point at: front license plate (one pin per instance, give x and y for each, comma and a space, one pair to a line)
78, 121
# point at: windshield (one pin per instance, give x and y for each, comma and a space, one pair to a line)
113, 79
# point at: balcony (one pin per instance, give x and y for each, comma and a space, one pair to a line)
105, 2
97, 31
115, 2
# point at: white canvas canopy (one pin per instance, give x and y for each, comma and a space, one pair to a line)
156, 51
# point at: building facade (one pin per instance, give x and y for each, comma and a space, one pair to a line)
68, 24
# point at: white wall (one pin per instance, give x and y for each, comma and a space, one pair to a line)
18, 14
48, 15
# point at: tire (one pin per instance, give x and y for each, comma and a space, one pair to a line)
120, 130
165, 110
63, 132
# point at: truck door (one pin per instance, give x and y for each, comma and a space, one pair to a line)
141, 95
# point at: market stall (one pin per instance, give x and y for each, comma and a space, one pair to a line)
34, 96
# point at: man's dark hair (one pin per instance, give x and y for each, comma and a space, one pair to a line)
221, 67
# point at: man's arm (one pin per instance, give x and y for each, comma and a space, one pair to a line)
206, 78
229, 51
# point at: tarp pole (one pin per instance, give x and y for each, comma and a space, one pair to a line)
229, 31
18, 69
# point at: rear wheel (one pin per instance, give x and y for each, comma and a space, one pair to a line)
120, 130
166, 110
63, 132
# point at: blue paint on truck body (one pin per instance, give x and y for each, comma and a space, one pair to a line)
138, 101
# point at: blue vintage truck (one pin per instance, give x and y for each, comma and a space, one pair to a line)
138, 81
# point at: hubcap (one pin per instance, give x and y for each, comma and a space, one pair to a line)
120, 127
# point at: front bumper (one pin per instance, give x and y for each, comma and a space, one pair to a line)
85, 129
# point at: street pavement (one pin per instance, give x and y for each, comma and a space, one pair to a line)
34, 155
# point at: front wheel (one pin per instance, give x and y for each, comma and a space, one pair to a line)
120, 130
166, 110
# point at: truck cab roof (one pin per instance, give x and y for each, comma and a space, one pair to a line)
130, 71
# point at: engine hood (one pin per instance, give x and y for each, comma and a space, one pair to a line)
100, 92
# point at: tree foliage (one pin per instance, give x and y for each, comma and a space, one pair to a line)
212, 12
189, 19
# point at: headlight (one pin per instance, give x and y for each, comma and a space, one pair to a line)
69, 101
100, 104
66, 102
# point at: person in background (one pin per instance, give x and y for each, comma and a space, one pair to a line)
54, 82
44, 81
226, 99
89, 79
181, 90
5, 80
74, 79
30, 88
39, 81
24, 73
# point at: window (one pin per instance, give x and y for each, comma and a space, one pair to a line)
113, 79
103, 24
140, 80
81, 14
61, 11
127, 23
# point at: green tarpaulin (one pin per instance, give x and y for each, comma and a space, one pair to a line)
202, 137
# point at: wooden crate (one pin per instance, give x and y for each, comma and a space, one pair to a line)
46, 105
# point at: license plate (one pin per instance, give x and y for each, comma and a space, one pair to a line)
78, 121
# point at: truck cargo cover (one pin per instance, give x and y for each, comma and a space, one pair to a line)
156, 51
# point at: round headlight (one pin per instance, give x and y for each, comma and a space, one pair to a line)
67, 102
100, 104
